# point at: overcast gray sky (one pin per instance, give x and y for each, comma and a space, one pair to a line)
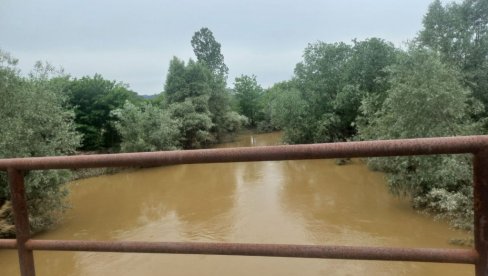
133, 41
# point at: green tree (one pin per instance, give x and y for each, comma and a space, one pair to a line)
93, 99
269, 112
195, 122
367, 81
207, 51
459, 33
320, 76
426, 99
194, 89
146, 128
248, 93
186, 81
366, 68
187, 93
332, 81
291, 113
233, 122
35, 123
219, 107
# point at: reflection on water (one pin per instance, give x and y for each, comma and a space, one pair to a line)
306, 202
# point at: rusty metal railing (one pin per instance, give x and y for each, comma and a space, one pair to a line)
475, 145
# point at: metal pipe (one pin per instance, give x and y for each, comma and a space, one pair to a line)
8, 244
21, 219
465, 256
480, 202
420, 146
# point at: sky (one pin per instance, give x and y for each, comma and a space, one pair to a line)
133, 41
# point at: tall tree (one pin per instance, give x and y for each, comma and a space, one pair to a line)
93, 99
367, 77
291, 112
194, 120
319, 78
248, 93
332, 81
188, 90
268, 107
459, 32
35, 123
207, 51
200, 103
426, 99
186, 81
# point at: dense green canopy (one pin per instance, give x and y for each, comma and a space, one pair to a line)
35, 122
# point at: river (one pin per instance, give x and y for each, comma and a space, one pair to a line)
302, 202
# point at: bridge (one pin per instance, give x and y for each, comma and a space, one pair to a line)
477, 146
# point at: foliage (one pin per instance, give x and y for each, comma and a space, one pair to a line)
93, 99
420, 85
459, 33
146, 128
186, 81
36, 123
331, 82
233, 122
426, 99
320, 76
268, 108
370, 90
199, 100
187, 92
290, 112
456, 205
219, 107
195, 122
248, 93
207, 51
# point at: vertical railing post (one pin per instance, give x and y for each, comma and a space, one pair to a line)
480, 200
21, 219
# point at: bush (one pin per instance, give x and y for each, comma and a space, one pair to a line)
146, 128
35, 123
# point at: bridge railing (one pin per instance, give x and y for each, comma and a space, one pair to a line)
475, 145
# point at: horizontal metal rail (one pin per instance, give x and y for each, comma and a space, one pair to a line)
476, 145
465, 256
420, 146
8, 244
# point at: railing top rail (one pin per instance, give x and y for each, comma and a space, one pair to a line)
381, 148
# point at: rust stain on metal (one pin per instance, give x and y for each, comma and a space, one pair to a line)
265, 250
21, 219
420, 146
478, 145
480, 201
8, 244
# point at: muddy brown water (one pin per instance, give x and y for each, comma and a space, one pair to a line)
303, 202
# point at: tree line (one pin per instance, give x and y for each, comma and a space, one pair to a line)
369, 90
363, 90
50, 113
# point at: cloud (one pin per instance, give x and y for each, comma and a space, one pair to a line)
133, 41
